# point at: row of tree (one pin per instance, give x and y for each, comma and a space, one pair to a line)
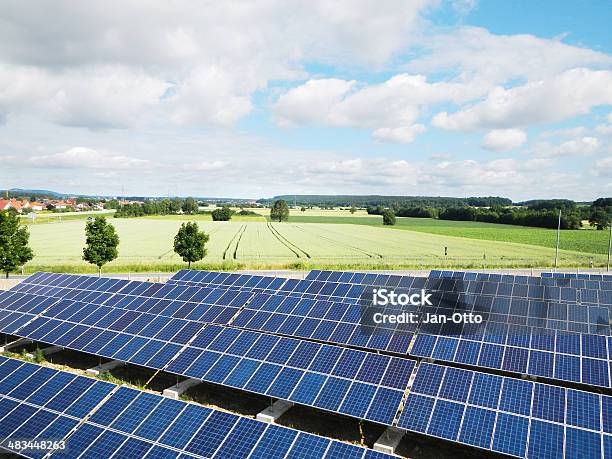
101, 243
187, 206
392, 202
102, 240
536, 213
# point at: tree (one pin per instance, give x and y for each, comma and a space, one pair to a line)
112, 204
280, 211
352, 209
190, 243
388, 217
14, 237
303, 209
600, 219
101, 243
224, 214
190, 206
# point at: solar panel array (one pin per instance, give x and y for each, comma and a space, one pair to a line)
512, 416
518, 338
504, 298
249, 342
355, 383
99, 419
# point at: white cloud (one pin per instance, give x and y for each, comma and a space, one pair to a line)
399, 135
603, 168
207, 166
86, 158
503, 139
110, 66
572, 93
390, 108
575, 147
477, 55
605, 129
311, 103
567, 132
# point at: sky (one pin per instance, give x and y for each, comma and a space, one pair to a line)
261, 98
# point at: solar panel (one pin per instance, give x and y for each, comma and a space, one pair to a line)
562, 308
508, 347
99, 419
511, 416
108, 318
220, 355
562, 356
42, 404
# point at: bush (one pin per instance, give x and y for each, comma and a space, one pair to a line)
388, 217
222, 215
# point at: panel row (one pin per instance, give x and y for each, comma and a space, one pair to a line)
355, 383
380, 378
512, 416
564, 356
40, 403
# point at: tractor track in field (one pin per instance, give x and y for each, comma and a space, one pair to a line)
237, 237
241, 232
369, 254
286, 242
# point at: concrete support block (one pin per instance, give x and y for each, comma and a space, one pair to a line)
388, 441
174, 392
104, 368
14, 344
46, 351
275, 411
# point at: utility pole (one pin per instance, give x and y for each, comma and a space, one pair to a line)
609, 245
558, 234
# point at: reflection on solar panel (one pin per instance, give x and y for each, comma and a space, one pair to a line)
308, 373
560, 308
99, 419
512, 416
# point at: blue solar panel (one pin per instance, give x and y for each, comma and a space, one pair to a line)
512, 416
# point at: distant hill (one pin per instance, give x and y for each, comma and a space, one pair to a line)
22, 191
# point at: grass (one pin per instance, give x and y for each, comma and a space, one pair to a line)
311, 242
583, 240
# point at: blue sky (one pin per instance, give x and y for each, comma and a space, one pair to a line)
418, 97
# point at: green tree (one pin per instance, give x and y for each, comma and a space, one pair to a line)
353, 209
600, 219
176, 205
101, 243
14, 237
303, 209
223, 214
112, 204
280, 211
388, 217
190, 206
190, 243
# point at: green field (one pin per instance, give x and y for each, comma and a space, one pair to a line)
584, 240
306, 242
